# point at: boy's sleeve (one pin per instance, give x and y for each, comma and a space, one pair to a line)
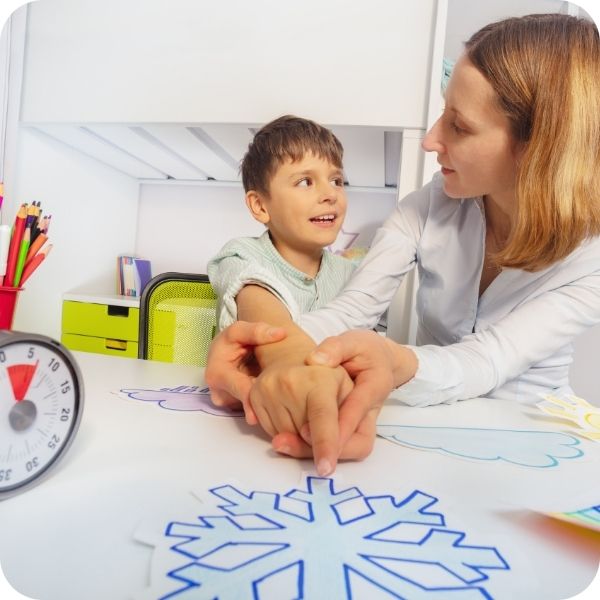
237, 265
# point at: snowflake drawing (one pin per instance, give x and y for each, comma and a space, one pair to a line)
314, 541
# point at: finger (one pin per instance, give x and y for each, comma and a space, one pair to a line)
358, 447
264, 419
249, 414
356, 406
282, 419
322, 417
329, 353
360, 443
291, 444
236, 385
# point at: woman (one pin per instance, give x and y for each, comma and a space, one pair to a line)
506, 240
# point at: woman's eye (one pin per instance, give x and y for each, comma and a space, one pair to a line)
458, 129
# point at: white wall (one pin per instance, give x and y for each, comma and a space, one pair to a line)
585, 370
181, 227
465, 17
94, 213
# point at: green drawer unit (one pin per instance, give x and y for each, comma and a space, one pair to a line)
103, 328
86, 343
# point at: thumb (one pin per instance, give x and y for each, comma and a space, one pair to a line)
328, 353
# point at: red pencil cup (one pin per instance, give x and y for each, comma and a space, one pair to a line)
8, 303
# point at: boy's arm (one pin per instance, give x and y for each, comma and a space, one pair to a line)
256, 303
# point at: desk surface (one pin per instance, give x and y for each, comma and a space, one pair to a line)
71, 537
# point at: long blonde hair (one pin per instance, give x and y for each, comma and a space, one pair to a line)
545, 70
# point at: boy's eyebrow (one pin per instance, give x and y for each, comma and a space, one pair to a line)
335, 171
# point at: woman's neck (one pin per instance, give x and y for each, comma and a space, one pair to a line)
498, 219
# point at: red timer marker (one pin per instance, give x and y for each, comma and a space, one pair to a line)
20, 377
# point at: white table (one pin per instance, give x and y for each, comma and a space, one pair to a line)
71, 536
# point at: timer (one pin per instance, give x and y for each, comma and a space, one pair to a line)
41, 403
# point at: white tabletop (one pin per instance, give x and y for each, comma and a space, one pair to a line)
71, 537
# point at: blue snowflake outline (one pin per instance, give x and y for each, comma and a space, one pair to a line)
303, 505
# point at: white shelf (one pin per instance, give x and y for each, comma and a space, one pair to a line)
112, 299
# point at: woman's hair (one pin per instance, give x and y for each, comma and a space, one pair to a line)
286, 138
545, 70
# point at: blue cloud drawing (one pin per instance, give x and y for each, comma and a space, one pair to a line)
182, 398
541, 449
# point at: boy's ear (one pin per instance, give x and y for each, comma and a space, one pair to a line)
257, 206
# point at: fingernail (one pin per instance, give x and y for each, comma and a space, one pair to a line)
324, 467
283, 449
319, 357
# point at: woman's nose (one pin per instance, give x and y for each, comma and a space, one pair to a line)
432, 141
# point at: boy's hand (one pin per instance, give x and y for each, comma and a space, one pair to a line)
229, 373
368, 358
287, 397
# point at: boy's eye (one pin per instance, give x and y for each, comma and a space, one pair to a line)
304, 182
338, 181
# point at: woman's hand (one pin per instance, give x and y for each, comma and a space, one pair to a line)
376, 364
230, 369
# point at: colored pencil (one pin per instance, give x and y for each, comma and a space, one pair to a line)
15, 245
35, 245
35, 263
22, 255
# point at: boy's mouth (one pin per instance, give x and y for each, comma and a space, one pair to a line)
324, 219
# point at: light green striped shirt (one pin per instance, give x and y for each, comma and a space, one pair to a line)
251, 260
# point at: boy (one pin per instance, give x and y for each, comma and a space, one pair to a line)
293, 180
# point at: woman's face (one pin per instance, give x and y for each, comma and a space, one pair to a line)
472, 139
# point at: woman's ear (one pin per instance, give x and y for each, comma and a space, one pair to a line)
257, 206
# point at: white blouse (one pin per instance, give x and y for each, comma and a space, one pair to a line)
515, 341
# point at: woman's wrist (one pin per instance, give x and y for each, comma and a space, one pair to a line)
404, 362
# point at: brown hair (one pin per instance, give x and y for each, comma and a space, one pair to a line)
287, 137
545, 70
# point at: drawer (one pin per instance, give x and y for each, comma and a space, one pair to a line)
99, 345
100, 320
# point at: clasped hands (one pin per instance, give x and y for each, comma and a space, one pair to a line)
325, 407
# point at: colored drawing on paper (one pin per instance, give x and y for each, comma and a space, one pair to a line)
540, 449
587, 517
183, 398
583, 415
317, 541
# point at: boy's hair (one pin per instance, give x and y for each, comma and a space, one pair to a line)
545, 70
286, 138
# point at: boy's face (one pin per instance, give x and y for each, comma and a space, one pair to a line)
305, 208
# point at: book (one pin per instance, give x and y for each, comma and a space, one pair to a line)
133, 275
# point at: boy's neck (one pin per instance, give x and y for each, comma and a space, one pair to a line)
308, 263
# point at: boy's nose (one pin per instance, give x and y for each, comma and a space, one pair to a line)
432, 141
328, 193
